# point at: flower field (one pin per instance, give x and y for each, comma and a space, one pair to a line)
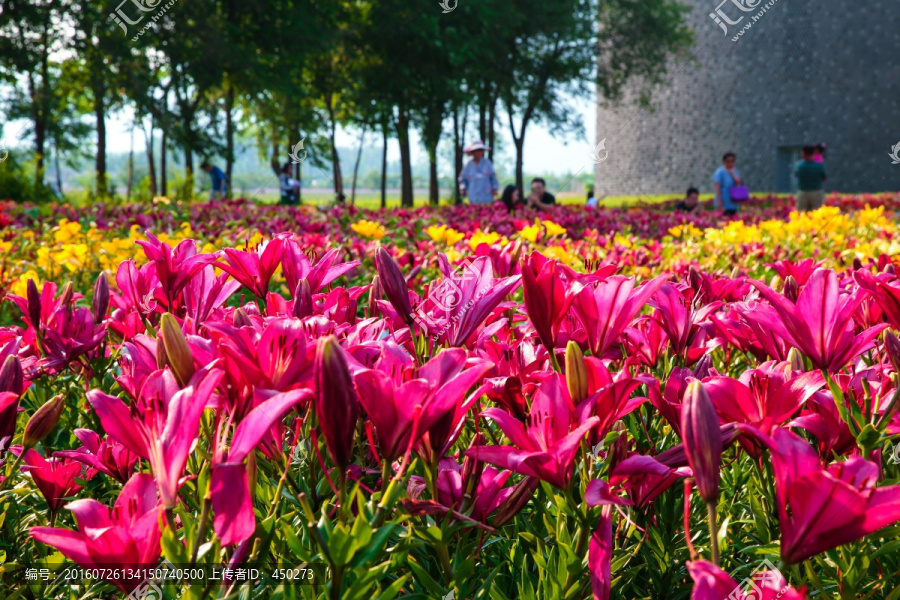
234, 401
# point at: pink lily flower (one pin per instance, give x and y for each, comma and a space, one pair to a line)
254, 268
296, 266
547, 446
764, 397
9, 410
490, 491
229, 487
164, 427
280, 358
712, 583
600, 553
455, 307
174, 268
206, 293
56, 478
403, 402
127, 534
107, 456
885, 290
800, 270
138, 291
645, 478
546, 298
682, 323
820, 324
820, 508
608, 307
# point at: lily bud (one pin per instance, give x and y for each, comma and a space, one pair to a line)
68, 295
857, 264
303, 301
796, 359
891, 344
335, 402
241, 318
576, 372
516, 501
34, 303
43, 421
12, 378
100, 301
178, 353
701, 369
376, 292
702, 440
161, 361
791, 289
394, 284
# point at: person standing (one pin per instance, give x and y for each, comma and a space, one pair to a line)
219, 185
811, 179
725, 178
478, 180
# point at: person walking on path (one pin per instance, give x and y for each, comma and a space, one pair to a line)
811, 179
478, 179
725, 178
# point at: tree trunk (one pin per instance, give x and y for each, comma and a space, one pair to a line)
37, 115
457, 157
229, 137
384, 138
58, 172
492, 112
406, 189
482, 113
335, 158
362, 138
99, 94
188, 173
130, 168
520, 158
434, 193
151, 163
163, 178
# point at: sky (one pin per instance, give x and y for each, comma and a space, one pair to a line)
544, 152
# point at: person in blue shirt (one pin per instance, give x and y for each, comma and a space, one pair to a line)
478, 180
725, 178
219, 185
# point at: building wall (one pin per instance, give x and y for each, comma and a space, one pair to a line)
805, 71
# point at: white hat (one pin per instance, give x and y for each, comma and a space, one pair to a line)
479, 145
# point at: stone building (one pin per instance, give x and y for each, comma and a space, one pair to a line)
766, 77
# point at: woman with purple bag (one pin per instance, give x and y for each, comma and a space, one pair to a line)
730, 188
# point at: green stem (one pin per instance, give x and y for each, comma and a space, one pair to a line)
713, 532
444, 557
337, 575
201, 529
170, 518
